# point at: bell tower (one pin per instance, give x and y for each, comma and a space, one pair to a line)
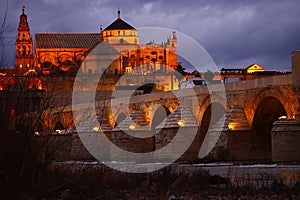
24, 52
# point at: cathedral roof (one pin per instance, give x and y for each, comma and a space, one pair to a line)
66, 40
119, 24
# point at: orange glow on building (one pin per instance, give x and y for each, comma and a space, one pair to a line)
232, 126
63, 54
254, 68
35, 83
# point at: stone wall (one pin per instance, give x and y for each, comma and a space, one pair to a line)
286, 141
246, 145
63, 148
239, 145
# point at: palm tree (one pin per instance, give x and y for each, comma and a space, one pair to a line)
179, 73
208, 76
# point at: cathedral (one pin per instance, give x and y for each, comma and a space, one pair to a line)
63, 54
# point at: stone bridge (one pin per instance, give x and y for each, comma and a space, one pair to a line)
243, 112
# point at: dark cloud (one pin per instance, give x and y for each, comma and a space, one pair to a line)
235, 33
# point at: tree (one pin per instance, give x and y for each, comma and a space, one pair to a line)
6, 39
179, 73
24, 155
208, 76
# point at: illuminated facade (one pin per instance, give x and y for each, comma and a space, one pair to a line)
254, 68
63, 53
24, 50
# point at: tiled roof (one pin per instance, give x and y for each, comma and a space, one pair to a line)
66, 40
119, 24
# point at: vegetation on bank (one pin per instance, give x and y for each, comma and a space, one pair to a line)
23, 175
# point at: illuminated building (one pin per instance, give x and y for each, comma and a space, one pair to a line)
24, 50
61, 54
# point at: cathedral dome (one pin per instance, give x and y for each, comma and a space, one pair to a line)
119, 24
119, 33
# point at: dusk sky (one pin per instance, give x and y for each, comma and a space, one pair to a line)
235, 33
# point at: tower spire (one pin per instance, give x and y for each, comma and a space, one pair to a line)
24, 54
119, 14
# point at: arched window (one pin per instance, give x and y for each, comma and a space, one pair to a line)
24, 51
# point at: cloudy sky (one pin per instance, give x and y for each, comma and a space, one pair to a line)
235, 33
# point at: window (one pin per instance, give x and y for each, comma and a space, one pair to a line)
128, 69
21, 65
24, 36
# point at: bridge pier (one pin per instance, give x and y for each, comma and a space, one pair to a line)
286, 133
296, 81
236, 139
180, 126
285, 141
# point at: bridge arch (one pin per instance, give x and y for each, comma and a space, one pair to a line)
159, 115
210, 113
116, 114
213, 112
267, 112
35, 83
252, 105
120, 117
59, 126
209, 101
58, 120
